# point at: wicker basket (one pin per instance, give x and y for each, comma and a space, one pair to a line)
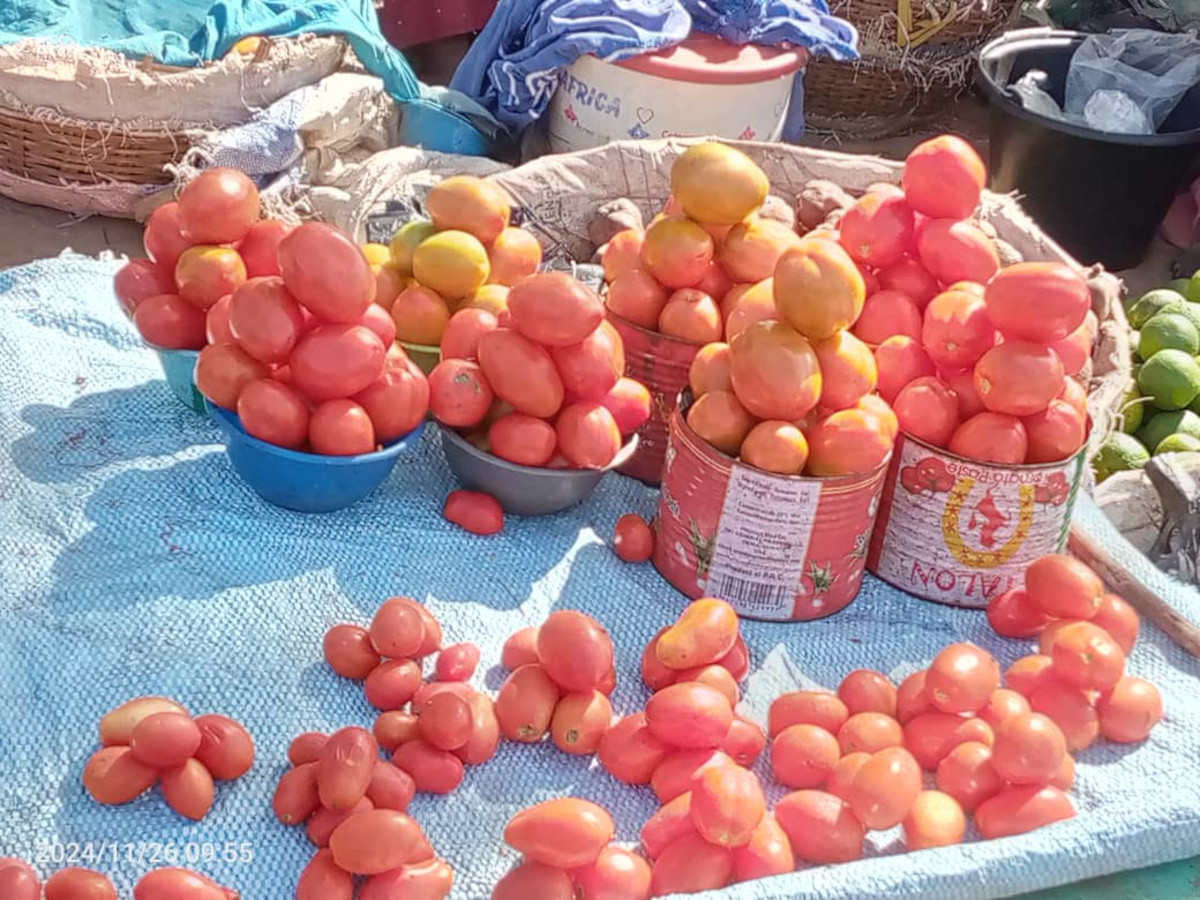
914, 63
89, 131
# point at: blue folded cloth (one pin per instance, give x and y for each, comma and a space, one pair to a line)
512, 69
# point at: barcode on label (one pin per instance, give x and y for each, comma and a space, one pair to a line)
753, 598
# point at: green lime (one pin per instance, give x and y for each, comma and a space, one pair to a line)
1135, 341
1190, 311
1193, 289
1161, 426
1179, 286
1168, 331
1151, 303
1177, 443
1119, 453
1133, 407
1171, 377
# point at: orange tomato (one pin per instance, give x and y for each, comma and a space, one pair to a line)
848, 442
1119, 619
864, 690
966, 773
638, 297
727, 805
710, 370
754, 304
1086, 656
672, 821
818, 289
821, 828
691, 315
1064, 588
775, 446
752, 248
580, 722
705, 632
869, 732
719, 418
991, 437
745, 741
804, 756
775, 372
623, 253
565, 833
900, 360
513, 255
1129, 712
885, 788
961, 679
1029, 749
821, 708
1018, 378
677, 252
848, 370
767, 853
1020, 809
1029, 673
936, 820
927, 410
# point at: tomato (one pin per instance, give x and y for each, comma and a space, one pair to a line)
18, 881
178, 884
218, 206
526, 702
345, 768
327, 272
446, 721
341, 428
457, 662
521, 373
259, 249
396, 401
333, 362
912, 698
554, 309
877, 230
714, 676
910, 278
842, 777
398, 629
633, 541
391, 787
1018, 378
580, 721
588, 435
931, 735
1042, 302
944, 178
378, 840
617, 874
393, 728
1119, 619
428, 880
1064, 588
991, 437
961, 679
575, 650
165, 740
1014, 614
956, 330
520, 649
205, 274
1071, 710
821, 708
591, 368
885, 788
1029, 749
75, 884
1020, 809
460, 340
459, 394
966, 773
677, 772
689, 715
379, 321
189, 789
936, 820
433, 770
737, 660
928, 410
803, 756
216, 322
324, 822
1002, 704
114, 776
821, 828
768, 853
163, 239
689, 865
888, 314
727, 805
306, 748
1130, 710
166, 320
869, 732
226, 748
957, 251
392, 684
866, 691
672, 821
534, 879
630, 752
139, 279
565, 833
745, 742
705, 631
1087, 657
274, 413
629, 402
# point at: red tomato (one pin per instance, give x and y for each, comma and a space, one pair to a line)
877, 230
672, 821
590, 369
533, 879
630, 752
259, 249
1071, 710
459, 394
76, 884
1064, 587
944, 177
1013, 614
163, 239
617, 874
205, 274
433, 770
869, 732
727, 805
393, 728
1029, 749
461, 338
1019, 809
842, 777
333, 362
139, 279
690, 715
675, 774
768, 853
391, 685
218, 206
1002, 704
957, 251
1120, 620
380, 321
327, 272
1130, 710
1087, 657
474, 511
689, 865
912, 698
745, 742
565, 833
378, 840
345, 768
575, 650
580, 722
821, 828
1029, 673
932, 735
396, 401
629, 402
520, 649
223, 370
274, 413
429, 880
341, 428
349, 651
936, 820
226, 748
178, 884
966, 773
633, 541
216, 322
446, 721
820, 708
962, 678
306, 748
457, 662
910, 278
885, 788
521, 439
166, 320
866, 691
265, 319
803, 756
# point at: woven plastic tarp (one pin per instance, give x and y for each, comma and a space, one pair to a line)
134, 562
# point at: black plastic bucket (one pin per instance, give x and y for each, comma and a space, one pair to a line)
1101, 196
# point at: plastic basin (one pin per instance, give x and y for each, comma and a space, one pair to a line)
306, 482
523, 490
179, 366
433, 127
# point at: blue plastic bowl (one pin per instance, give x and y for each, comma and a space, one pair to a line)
306, 482
432, 127
180, 366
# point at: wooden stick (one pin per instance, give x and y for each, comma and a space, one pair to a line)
1141, 598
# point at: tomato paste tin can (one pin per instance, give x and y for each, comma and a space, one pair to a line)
777, 547
661, 363
961, 532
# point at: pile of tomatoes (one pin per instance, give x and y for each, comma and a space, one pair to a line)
19, 882
291, 339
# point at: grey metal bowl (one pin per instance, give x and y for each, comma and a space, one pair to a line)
523, 490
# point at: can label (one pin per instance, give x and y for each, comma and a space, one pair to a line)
962, 532
762, 541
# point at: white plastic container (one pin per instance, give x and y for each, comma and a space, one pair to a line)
702, 87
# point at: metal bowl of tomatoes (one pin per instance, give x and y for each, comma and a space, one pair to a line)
307, 482
524, 490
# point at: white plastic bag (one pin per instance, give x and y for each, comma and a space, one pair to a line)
1153, 69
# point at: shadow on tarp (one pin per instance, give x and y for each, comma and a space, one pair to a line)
105, 428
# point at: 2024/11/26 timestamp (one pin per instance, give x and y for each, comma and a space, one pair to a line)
143, 853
